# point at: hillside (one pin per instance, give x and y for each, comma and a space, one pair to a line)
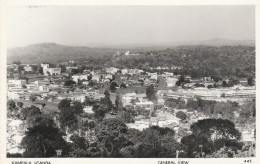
53, 53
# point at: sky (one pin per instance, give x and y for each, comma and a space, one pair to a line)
112, 25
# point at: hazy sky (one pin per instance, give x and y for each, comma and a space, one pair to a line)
128, 24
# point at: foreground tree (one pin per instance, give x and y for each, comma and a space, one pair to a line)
68, 119
110, 132
215, 129
42, 141
65, 103
28, 112
40, 120
197, 146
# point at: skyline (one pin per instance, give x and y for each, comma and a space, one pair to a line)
126, 25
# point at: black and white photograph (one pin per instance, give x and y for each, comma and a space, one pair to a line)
130, 81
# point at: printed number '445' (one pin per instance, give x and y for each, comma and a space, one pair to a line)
248, 161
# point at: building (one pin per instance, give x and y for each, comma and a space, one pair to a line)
124, 71
16, 83
96, 78
112, 70
27, 68
171, 81
51, 71
127, 53
45, 66
44, 88
148, 105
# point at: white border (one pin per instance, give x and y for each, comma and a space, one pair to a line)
3, 47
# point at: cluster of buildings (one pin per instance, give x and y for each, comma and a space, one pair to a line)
131, 86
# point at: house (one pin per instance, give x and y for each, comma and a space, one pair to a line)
124, 71
27, 68
127, 53
112, 70
51, 71
96, 78
45, 66
109, 76
16, 83
171, 81
148, 105
69, 69
88, 109
44, 88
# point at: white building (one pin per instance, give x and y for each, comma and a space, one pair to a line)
16, 83
27, 68
112, 70
45, 66
124, 71
171, 81
148, 105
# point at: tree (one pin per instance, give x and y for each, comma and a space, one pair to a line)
12, 110
113, 86
28, 112
196, 145
215, 129
69, 83
248, 109
11, 104
181, 115
20, 68
33, 98
118, 102
150, 93
79, 143
226, 109
18, 62
43, 105
123, 85
34, 68
110, 133
42, 141
65, 103
250, 81
68, 119
99, 111
40, 120
181, 80
63, 68
192, 104
89, 101
40, 70
127, 116
153, 142
77, 106
106, 101
19, 104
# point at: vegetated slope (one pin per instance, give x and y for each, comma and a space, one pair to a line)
197, 61
53, 53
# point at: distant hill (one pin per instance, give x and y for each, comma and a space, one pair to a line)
222, 42
53, 53
159, 46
